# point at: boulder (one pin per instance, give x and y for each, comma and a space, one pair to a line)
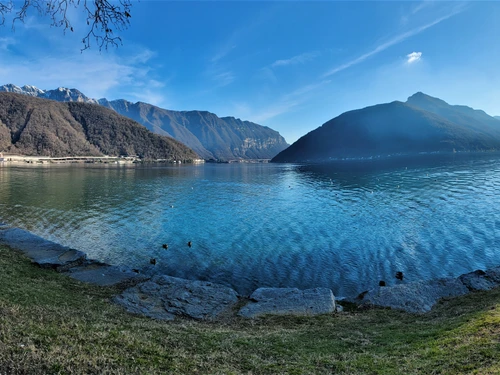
416, 297
494, 275
289, 301
164, 297
46, 254
479, 280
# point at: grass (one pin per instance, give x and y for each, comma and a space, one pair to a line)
51, 324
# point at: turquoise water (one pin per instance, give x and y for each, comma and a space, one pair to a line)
344, 227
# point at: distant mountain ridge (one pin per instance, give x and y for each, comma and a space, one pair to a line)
60, 94
212, 137
41, 127
423, 124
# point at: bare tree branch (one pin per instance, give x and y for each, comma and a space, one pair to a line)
4, 9
102, 16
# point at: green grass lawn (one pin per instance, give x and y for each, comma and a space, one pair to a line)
51, 324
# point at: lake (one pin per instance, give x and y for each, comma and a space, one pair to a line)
344, 226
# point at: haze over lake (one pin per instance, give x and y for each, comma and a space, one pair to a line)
343, 226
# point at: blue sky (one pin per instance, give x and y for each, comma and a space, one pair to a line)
288, 65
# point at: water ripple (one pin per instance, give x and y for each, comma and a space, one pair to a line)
270, 225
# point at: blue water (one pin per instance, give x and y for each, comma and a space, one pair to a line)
343, 226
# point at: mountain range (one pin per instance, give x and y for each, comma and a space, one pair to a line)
422, 124
212, 137
34, 126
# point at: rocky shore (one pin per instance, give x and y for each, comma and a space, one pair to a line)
164, 297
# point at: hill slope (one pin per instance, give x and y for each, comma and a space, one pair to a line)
34, 126
422, 124
210, 136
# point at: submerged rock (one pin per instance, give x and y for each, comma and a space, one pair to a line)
164, 297
102, 274
46, 254
289, 301
417, 297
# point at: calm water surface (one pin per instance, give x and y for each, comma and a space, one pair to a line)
255, 225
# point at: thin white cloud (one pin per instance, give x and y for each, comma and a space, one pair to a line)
224, 78
142, 57
151, 97
266, 74
420, 6
413, 57
273, 111
299, 59
155, 84
223, 51
301, 91
288, 101
237, 36
397, 39
95, 74
6, 42
416, 9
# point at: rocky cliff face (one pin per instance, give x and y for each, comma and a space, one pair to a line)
60, 94
211, 137
34, 126
421, 125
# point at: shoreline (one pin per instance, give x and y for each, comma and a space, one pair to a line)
164, 297
415, 297
54, 324
105, 159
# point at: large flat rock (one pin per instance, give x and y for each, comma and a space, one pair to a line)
164, 297
417, 297
289, 301
45, 253
481, 280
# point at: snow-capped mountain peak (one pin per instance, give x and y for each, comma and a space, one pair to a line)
11, 88
61, 94
32, 90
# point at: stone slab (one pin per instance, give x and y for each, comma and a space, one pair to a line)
479, 280
46, 254
164, 297
417, 297
289, 301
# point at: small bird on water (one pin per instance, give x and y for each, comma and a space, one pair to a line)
165, 246
381, 283
399, 275
152, 261
189, 243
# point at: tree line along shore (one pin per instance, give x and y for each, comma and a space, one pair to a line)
25, 159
